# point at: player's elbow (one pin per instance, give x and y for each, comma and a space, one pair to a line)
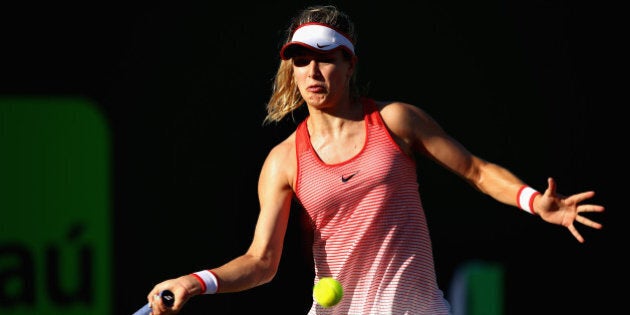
475, 173
265, 261
267, 277
268, 270
266, 266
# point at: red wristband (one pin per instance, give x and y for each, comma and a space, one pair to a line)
525, 198
208, 281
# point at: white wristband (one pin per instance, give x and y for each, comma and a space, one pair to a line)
209, 283
525, 198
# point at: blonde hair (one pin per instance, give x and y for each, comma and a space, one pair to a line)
285, 96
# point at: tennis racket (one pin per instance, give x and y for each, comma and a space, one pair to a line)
167, 298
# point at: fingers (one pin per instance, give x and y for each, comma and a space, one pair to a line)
161, 305
588, 222
551, 186
590, 208
157, 305
577, 198
150, 296
156, 299
575, 233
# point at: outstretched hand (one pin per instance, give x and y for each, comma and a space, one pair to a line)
565, 211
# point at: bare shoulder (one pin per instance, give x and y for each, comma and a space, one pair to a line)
409, 124
281, 161
397, 113
282, 151
401, 116
285, 145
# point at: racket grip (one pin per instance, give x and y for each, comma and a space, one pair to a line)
167, 298
145, 310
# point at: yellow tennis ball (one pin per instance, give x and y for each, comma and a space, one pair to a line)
327, 292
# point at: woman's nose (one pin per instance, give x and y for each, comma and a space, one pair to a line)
313, 68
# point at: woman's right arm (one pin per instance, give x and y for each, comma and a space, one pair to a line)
259, 264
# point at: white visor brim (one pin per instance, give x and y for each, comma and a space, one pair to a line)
318, 37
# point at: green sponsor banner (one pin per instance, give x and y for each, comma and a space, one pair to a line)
55, 228
477, 288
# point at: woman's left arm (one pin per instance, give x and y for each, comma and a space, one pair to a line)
416, 130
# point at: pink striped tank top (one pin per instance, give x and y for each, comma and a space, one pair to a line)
370, 230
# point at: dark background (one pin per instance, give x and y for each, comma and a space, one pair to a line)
183, 86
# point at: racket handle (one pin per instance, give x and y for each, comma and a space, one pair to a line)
167, 298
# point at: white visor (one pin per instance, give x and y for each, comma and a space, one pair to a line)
318, 37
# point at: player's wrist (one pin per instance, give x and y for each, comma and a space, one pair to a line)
192, 285
525, 198
207, 280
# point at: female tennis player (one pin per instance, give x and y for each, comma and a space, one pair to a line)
350, 164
